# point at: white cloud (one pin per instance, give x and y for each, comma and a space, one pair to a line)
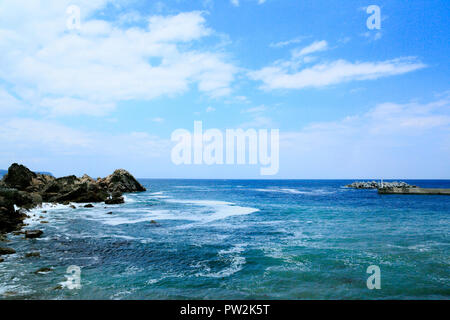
237, 2
373, 36
391, 141
28, 137
102, 63
8, 103
258, 118
285, 76
71, 106
23, 133
313, 47
257, 109
210, 109
287, 42
158, 120
258, 122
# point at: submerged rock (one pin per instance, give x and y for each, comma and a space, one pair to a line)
32, 254
89, 205
4, 251
117, 200
43, 270
32, 234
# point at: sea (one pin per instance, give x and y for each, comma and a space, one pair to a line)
237, 239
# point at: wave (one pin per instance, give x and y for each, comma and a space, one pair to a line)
218, 210
231, 256
295, 191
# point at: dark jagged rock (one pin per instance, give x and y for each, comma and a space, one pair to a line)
73, 189
27, 189
89, 205
32, 234
121, 181
117, 200
4, 251
10, 219
18, 177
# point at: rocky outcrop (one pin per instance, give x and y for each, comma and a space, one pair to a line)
18, 177
10, 219
121, 181
73, 189
377, 185
27, 189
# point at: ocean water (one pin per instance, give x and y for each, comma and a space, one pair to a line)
239, 239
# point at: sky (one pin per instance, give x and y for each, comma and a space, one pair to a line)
349, 102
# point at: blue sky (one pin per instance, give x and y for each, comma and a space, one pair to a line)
349, 102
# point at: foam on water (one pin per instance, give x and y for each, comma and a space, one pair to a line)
232, 257
294, 191
215, 210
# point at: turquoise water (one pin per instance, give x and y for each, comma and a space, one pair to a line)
230, 239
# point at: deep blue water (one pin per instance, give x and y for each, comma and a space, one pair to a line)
240, 239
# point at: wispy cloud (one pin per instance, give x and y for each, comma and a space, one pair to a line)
312, 48
158, 119
390, 140
286, 76
282, 44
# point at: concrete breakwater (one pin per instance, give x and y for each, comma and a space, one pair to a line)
377, 185
415, 190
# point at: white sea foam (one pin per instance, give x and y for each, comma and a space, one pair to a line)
129, 199
231, 256
215, 210
294, 191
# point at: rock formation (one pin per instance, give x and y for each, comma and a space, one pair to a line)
24, 188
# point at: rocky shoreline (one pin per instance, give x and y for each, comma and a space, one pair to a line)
378, 185
22, 190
